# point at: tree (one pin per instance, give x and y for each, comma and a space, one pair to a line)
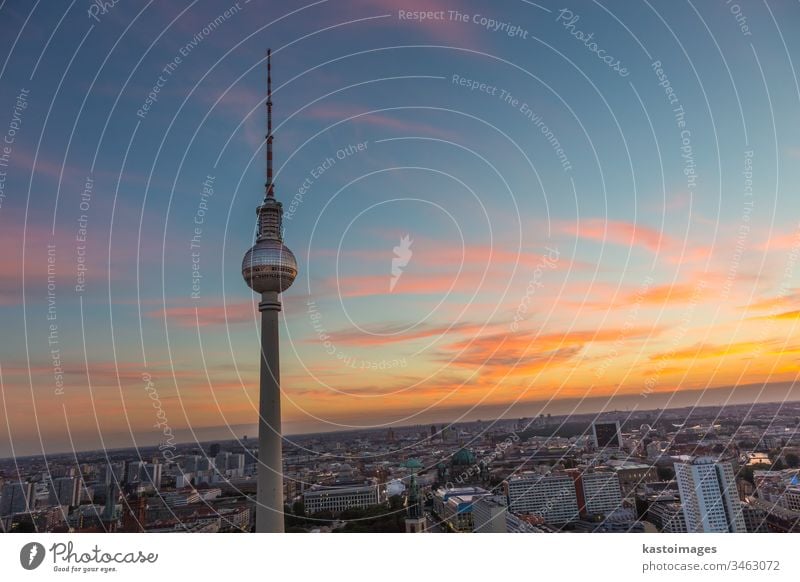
665, 472
746, 472
792, 460
395, 502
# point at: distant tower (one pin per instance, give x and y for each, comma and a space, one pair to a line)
415, 516
269, 268
134, 514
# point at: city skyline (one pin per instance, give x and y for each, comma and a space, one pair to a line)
492, 221
708, 469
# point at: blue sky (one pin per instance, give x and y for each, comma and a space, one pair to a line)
468, 175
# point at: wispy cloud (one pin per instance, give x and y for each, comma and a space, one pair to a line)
385, 120
618, 232
398, 333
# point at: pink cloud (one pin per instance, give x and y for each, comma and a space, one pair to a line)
33, 272
333, 112
217, 312
408, 284
207, 315
691, 255
444, 31
437, 254
781, 242
618, 232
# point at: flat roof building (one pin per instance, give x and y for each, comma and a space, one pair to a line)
551, 497
339, 498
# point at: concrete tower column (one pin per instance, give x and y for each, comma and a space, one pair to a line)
270, 471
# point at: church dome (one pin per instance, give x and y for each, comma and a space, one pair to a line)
463, 458
413, 464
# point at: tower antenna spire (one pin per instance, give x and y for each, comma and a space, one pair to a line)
269, 185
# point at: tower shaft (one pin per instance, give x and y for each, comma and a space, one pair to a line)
269, 510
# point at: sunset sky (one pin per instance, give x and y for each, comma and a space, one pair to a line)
583, 236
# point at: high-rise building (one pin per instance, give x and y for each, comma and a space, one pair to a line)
708, 496
189, 463
111, 478
598, 492
192, 463
134, 472
151, 474
221, 461
142, 473
16, 497
109, 509
607, 435
65, 491
551, 497
269, 268
112, 473
236, 463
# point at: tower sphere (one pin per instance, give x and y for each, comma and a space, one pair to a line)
269, 266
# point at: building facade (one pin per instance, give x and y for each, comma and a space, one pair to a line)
340, 498
708, 496
601, 492
16, 497
65, 491
551, 497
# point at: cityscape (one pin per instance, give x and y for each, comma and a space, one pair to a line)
399, 267
711, 469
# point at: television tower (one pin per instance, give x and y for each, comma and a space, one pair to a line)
269, 268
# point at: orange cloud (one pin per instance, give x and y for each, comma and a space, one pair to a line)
789, 315
661, 294
702, 351
521, 354
770, 303
605, 296
390, 334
